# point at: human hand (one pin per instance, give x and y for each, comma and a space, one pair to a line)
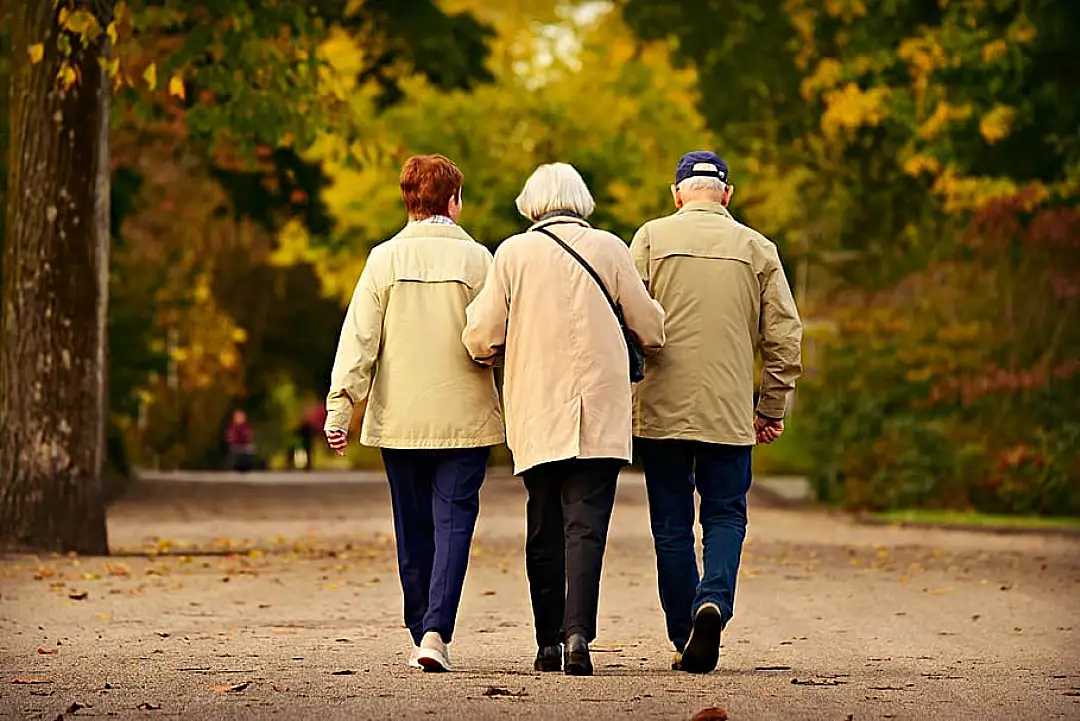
338, 441
768, 430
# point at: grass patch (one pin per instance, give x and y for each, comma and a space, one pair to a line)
974, 519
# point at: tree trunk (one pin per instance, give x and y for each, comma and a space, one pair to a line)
55, 270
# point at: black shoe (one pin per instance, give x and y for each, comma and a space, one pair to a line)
548, 659
702, 651
577, 661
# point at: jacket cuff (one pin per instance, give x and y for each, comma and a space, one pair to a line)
338, 419
773, 409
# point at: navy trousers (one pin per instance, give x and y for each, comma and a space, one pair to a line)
436, 498
721, 475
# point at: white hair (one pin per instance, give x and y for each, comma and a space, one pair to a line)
553, 187
701, 182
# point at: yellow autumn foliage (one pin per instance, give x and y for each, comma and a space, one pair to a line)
943, 114
920, 163
826, 75
850, 108
997, 124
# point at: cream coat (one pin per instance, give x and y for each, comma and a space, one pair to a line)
726, 297
567, 381
400, 346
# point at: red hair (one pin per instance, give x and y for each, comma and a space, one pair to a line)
427, 184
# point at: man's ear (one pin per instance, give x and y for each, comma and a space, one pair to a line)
728, 192
675, 195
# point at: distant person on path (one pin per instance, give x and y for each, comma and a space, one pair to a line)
311, 426
240, 443
567, 390
433, 411
695, 421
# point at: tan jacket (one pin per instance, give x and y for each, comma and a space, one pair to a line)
401, 350
726, 296
567, 379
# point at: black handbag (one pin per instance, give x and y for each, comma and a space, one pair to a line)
633, 348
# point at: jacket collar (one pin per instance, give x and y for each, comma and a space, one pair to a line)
433, 230
560, 219
704, 206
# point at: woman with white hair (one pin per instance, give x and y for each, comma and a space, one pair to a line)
547, 310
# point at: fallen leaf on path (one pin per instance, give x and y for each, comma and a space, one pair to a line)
30, 680
229, 688
75, 706
47, 651
343, 640
79, 595
343, 672
280, 689
773, 668
148, 706
711, 714
163, 634
493, 691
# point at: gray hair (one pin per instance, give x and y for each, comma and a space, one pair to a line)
700, 182
553, 187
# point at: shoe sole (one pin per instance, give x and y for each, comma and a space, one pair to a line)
431, 664
702, 651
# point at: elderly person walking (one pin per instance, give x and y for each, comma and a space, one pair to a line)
726, 297
567, 393
432, 411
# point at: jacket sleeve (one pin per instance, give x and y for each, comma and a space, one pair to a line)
643, 315
358, 348
781, 339
639, 251
484, 335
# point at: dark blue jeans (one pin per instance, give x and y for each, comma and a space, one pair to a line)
721, 475
436, 498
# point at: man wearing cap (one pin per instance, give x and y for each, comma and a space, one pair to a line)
726, 298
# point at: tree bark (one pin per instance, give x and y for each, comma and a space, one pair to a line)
54, 289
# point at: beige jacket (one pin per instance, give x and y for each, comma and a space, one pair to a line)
400, 346
567, 379
726, 296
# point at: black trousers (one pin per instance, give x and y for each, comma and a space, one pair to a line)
568, 512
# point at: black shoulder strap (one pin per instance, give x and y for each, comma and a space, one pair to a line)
584, 264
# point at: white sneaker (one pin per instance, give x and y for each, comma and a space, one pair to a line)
414, 661
433, 654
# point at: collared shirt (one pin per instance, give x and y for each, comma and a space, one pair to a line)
437, 219
726, 297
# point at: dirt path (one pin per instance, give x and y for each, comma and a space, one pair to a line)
295, 613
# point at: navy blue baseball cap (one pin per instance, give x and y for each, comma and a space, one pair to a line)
703, 164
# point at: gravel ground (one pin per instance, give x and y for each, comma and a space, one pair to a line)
233, 598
